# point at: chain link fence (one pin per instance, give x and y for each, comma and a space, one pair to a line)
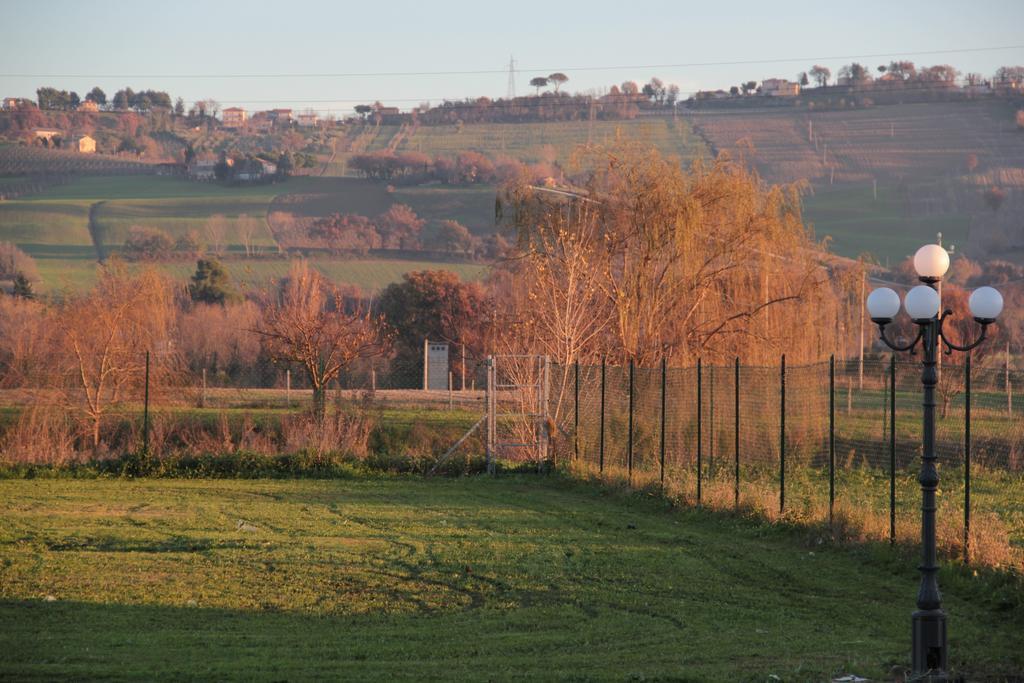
837, 442
102, 406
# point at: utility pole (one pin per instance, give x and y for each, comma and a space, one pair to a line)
510, 92
1009, 389
860, 366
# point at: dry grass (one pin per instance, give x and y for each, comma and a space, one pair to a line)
990, 543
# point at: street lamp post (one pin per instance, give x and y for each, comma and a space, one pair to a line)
929, 646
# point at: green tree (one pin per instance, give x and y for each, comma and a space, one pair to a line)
179, 107
820, 74
557, 78
97, 95
210, 284
22, 287
539, 82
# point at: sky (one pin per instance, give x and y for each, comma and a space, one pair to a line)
261, 55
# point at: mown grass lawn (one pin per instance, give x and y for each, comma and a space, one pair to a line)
473, 578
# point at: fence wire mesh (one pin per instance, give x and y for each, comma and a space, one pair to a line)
810, 442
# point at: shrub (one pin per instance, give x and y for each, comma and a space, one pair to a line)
148, 244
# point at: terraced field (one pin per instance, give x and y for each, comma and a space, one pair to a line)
18, 160
910, 142
531, 142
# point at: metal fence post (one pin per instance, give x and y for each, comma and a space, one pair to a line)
490, 400
700, 444
831, 437
600, 466
711, 421
145, 411
736, 433
892, 450
576, 413
662, 445
782, 435
967, 458
629, 436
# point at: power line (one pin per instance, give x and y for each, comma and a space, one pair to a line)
471, 72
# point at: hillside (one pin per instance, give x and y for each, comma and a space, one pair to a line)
880, 180
886, 178
912, 142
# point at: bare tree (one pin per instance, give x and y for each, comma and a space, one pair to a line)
106, 334
216, 233
248, 227
311, 323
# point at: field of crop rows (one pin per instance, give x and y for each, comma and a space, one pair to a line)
16, 160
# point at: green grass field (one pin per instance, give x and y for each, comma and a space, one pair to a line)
856, 223
473, 578
532, 142
52, 227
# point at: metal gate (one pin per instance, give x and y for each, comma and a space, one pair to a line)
518, 391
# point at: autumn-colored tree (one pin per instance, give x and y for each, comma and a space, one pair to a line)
14, 262
454, 237
311, 323
399, 227
707, 263
26, 344
349, 233
147, 244
434, 304
106, 333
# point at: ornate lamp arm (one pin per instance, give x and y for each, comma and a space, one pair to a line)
897, 347
950, 346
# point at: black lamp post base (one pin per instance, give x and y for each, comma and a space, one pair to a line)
929, 658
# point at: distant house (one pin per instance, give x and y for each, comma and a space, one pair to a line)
261, 121
779, 87
281, 117
84, 144
202, 169
88, 105
233, 117
253, 170
308, 120
713, 95
269, 168
48, 136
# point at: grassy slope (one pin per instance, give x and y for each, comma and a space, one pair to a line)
858, 223
53, 226
535, 141
471, 578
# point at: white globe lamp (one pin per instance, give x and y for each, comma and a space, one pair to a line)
931, 262
922, 303
883, 305
986, 304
